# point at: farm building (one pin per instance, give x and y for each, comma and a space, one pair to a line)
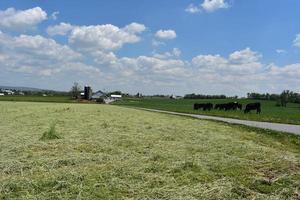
99, 94
116, 96
88, 93
8, 92
175, 97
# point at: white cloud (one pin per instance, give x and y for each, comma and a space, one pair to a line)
296, 41
40, 56
239, 62
21, 20
212, 62
90, 58
83, 68
61, 29
154, 67
3, 58
166, 34
213, 5
193, 9
54, 15
104, 37
43, 48
98, 37
135, 28
174, 53
281, 51
287, 71
244, 56
104, 57
156, 43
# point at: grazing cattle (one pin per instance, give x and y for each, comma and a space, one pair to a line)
229, 106
240, 106
204, 106
253, 106
219, 106
222, 106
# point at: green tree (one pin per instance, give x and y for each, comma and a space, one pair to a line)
75, 91
284, 97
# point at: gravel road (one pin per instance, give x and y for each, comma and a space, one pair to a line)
288, 128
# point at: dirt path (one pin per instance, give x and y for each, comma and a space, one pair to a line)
288, 128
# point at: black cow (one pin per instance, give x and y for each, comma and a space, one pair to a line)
204, 106
222, 106
219, 106
253, 106
229, 106
240, 106
235, 106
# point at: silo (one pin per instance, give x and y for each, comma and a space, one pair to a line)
87, 92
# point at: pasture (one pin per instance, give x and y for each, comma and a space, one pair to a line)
90, 151
270, 112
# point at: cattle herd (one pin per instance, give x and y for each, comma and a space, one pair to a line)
229, 106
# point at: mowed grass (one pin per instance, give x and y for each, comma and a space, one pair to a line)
112, 152
270, 112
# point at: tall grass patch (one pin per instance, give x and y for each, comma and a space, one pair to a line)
50, 134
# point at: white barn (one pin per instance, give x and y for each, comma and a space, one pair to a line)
116, 96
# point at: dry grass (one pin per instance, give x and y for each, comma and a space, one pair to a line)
109, 152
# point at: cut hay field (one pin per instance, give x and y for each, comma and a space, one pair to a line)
36, 98
113, 152
270, 112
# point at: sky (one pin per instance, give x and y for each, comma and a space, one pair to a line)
176, 47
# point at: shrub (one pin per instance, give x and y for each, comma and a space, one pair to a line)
278, 103
100, 100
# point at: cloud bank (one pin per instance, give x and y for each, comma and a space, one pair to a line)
207, 6
90, 55
21, 20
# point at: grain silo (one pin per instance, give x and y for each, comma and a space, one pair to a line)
88, 92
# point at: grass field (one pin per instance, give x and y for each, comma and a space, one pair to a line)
57, 99
270, 112
81, 151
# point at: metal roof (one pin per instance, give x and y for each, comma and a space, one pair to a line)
98, 94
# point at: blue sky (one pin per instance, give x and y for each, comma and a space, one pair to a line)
170, 46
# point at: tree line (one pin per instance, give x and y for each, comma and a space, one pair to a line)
282, 99
202, 96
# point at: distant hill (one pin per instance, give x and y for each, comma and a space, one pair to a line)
26, 89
